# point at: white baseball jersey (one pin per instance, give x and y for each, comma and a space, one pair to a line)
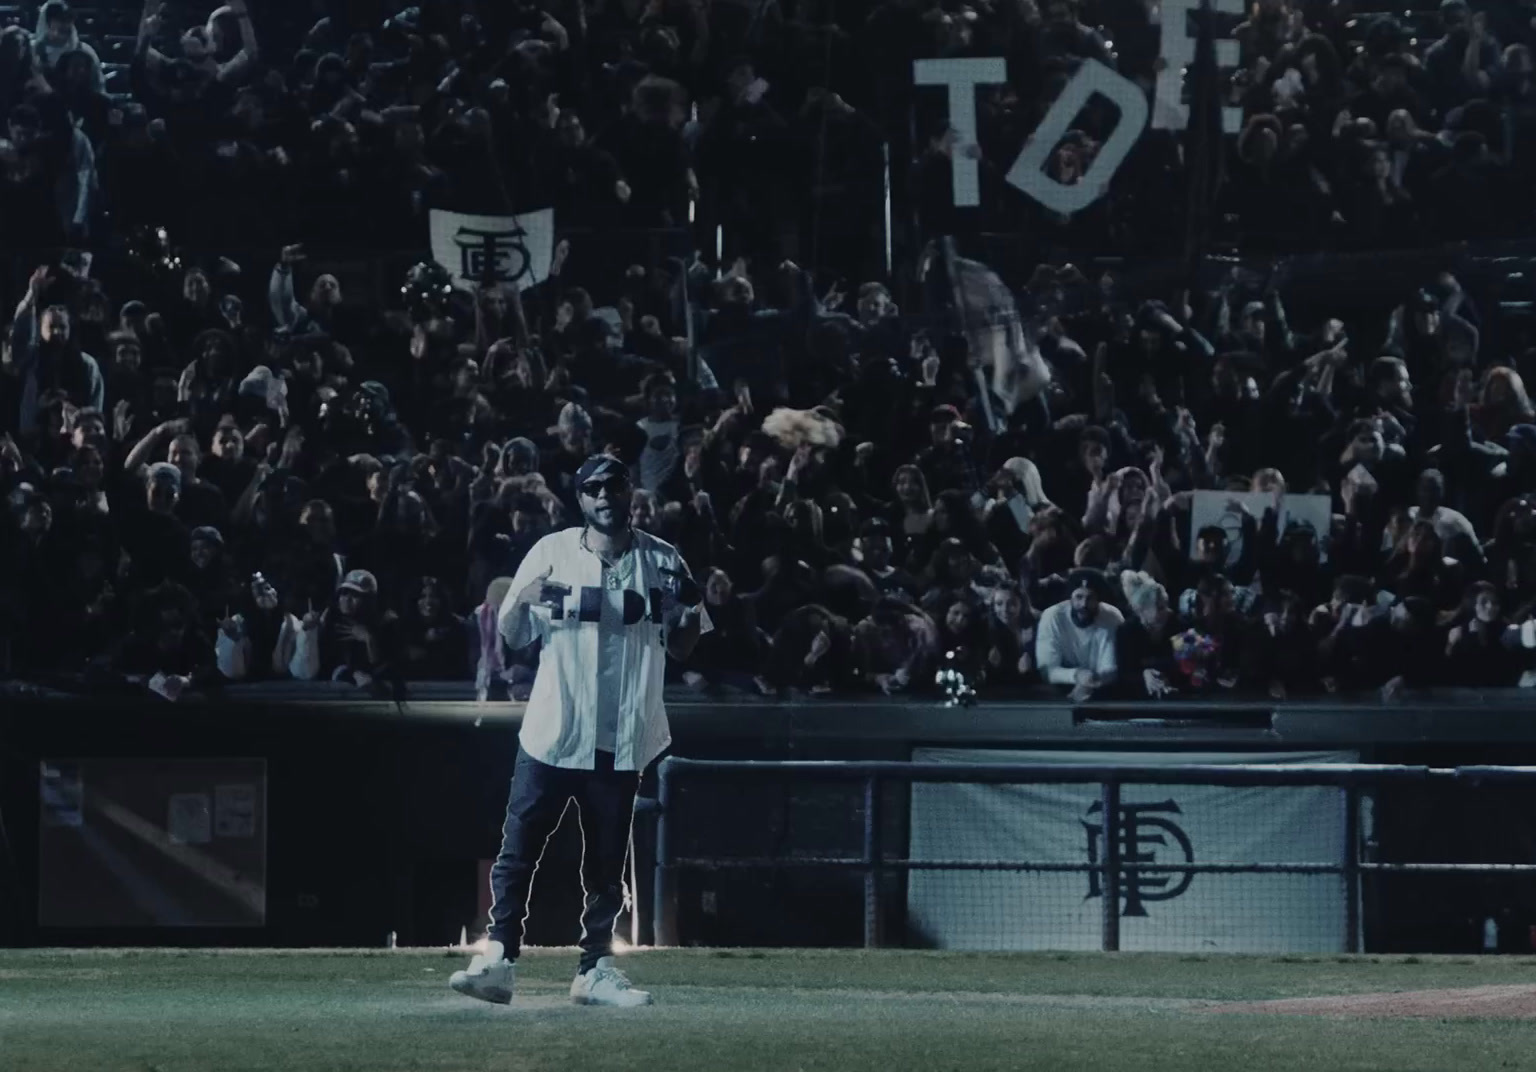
599, 683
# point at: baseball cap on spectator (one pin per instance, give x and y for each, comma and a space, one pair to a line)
1521, 437
208, 534
600, 465
359, 581
379, 392
944, 414
164, 471
1091, 579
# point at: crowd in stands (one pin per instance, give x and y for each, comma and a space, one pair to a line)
226, 465
1361, 127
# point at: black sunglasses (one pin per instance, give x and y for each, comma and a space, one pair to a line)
613, 486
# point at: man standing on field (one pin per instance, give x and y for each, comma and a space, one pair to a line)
609, 603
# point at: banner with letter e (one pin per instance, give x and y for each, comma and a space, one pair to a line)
510, 250
1168, 825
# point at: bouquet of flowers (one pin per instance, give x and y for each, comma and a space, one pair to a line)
1195, 652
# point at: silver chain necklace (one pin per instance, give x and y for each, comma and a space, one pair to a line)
616, 573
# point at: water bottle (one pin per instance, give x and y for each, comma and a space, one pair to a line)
1490, 935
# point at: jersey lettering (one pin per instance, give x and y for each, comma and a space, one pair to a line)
591, 605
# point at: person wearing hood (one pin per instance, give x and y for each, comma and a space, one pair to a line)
61, 154
210, 577
374, 418
56, 35
1430, 335
573, 443
262, 396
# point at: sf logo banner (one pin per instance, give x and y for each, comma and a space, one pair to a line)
509, 250
1146, 837
1167, 111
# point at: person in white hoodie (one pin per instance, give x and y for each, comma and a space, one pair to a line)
56, 35
1075, 641
609, 603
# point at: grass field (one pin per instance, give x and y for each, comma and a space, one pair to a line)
718, 1010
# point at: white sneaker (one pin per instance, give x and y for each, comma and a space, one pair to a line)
606, 985
489, 977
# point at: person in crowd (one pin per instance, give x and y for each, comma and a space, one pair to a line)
434, 641
1144, 642
1482, 650
1075, 641
1011, 626
732, 654
353, 640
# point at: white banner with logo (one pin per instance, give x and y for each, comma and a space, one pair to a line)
512, 250
1161, 824
1215, 509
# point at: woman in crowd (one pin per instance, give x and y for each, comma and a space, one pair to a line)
434, 641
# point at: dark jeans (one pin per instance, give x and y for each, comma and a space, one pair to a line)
605, 801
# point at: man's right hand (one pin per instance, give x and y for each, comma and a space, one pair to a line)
292, 254
534, 591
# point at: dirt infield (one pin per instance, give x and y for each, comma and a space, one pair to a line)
1517, 1002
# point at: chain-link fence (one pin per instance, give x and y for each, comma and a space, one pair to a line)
1271, 857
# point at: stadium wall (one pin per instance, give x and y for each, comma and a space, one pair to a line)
377, 819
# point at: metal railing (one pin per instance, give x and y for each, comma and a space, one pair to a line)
1113, 870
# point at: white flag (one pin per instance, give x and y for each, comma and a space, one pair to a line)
999, 339
508, 249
